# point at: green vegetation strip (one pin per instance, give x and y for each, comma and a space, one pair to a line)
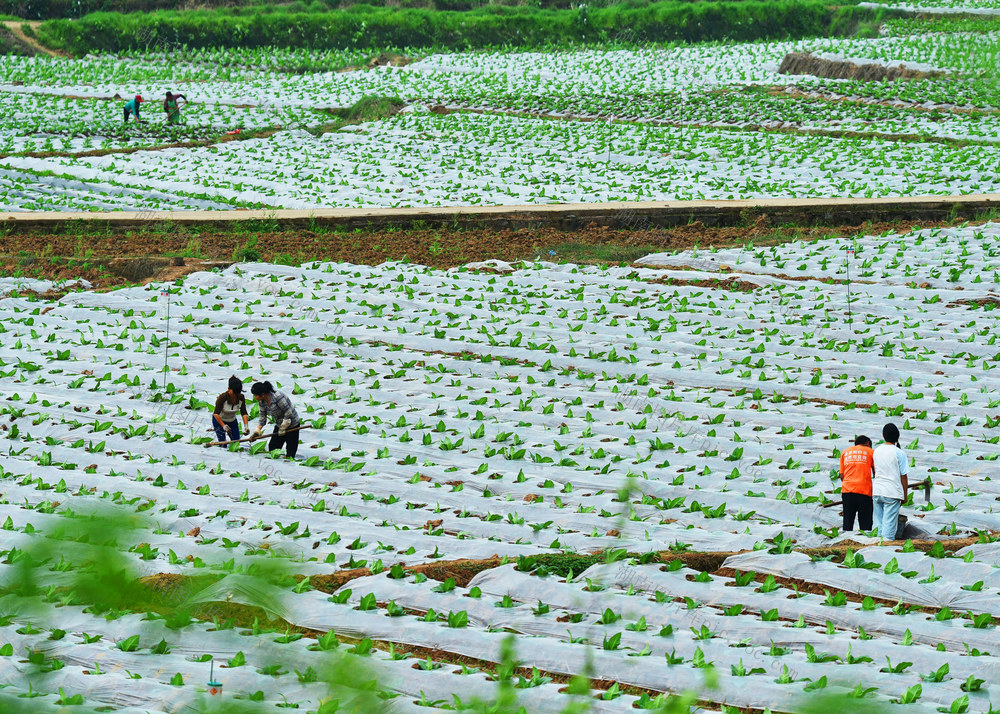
365, 26
52, 9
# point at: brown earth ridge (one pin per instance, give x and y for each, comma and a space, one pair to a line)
805, 63
158, 251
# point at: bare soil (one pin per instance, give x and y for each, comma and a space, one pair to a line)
461, 570
102, 273
389, 58
167, 587
805, 63
112, 260
979, 302
733, 284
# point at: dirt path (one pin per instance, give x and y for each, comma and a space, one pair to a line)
55, 254
15, 29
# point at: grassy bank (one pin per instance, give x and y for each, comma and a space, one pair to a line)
365, 26
53, 9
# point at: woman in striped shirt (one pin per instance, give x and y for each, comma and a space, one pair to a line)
276, 405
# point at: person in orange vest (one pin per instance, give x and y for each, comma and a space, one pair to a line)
857, 465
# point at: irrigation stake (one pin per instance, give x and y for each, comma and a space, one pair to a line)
214, 688
607, 163
166, 343
850, 315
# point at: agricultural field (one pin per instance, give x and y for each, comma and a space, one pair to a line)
625, 122
563, 487
523, 485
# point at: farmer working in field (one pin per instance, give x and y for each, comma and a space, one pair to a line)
856, 467
172, 109
890, 483
230, 405
132, 107
282, 413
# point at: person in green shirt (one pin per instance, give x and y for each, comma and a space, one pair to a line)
132, 107
172, 109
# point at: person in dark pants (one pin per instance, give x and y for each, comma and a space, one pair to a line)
230, 405
857, 464
890, 483
276, 405
132, 107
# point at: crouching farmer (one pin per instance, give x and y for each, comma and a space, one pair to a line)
132, 107
230, 405
278, 407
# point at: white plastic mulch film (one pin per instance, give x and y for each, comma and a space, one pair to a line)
551, 410
678, 122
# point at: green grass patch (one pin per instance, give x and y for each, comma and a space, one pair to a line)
370, 108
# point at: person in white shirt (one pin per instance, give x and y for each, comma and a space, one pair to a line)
890, 484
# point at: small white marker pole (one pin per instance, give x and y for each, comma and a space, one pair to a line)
166, 344
850, 315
